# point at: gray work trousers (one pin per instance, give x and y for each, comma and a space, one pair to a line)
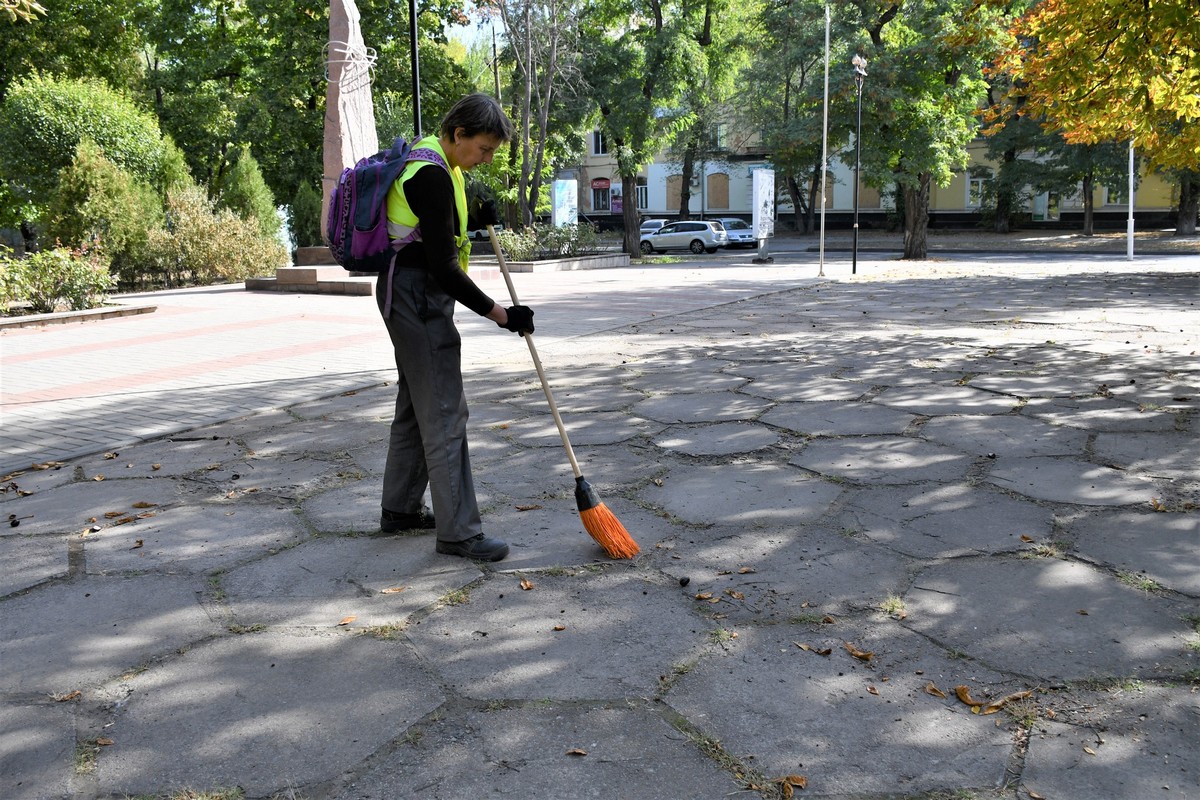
427, 445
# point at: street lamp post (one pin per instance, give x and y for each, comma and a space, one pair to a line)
860, 74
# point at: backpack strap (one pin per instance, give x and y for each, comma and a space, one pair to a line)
416, 154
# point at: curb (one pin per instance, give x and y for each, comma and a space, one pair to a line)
65, 317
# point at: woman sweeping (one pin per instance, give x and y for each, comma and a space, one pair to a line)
427, 447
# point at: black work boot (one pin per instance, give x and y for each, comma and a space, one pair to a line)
394, 522
479, 547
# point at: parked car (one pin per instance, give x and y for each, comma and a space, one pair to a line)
740, 232
699, 236
651, 225
481, 234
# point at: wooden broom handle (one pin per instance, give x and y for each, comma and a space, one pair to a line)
537, 362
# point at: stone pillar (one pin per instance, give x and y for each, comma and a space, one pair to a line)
349, 115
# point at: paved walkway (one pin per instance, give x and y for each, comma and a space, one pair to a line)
853, 494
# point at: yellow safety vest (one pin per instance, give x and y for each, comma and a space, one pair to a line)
401, 219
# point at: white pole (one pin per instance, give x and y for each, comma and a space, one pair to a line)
824, 146
1129, 224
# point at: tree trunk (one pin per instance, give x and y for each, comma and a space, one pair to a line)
916, 218
793, 189
814, 192
1088, 204
685, 185
1005, 196
1189, 203
629, 214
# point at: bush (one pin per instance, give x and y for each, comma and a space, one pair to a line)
245, 193
51, 279
202, 244
542, 242
14, 283
305, 221
97, 203
42, 121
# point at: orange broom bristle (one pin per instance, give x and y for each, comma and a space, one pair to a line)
603, 526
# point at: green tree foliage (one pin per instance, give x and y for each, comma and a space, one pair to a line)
925, 64
26, 10
244, 192
99, 39
304, 221
641, 57
42, 122
97, 205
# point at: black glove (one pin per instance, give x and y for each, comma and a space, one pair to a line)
485, 213
520, 320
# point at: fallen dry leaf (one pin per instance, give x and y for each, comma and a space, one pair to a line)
1034, 795
526, 584
98, 478
393, 590
964, 694
147, 514
577, 751
828, 620
110, 456
996, 705
1089, 751
75, 695
704, 595
348, 620
799, 781
746, 570
156, 467
657, 481
533, 507
933, 690
1157, 505
137, 544
873, 690
113, 514
104, 741
144, 504
126, 520
861, 655
736, 595
1027, 538
1083, 612
560, 627
48, 465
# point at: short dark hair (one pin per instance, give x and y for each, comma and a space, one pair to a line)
476, 114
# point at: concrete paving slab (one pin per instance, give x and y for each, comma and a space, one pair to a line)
749, 494
547, 750
1143, 748
1163, 547
267, 712
838, 419
937, 521
15, 485
580, 636
72, 635
75, 507
37, 750
852, 728
723, 438
701, 407
605, 427
1100, 414
661, 380
26, 561
1005, 435
784, 575
575, 399
377, 580
1062, 621
312, 437
882, 460
369, 404
193, 539
1067, 480
179, 455
1042, 385
937, 400
286, 476
1167, 454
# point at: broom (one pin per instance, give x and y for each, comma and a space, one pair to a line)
600, 523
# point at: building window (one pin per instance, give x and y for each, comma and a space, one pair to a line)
976, 190
643, 194
720, 136
599, 144
600, 199
1115, 197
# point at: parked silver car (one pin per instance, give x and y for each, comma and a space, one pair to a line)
699, 236
740, 232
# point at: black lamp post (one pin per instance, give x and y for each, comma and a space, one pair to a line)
415, 61
860, 74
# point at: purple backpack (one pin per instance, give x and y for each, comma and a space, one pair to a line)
356, 229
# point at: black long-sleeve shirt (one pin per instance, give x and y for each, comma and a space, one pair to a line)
430, 195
